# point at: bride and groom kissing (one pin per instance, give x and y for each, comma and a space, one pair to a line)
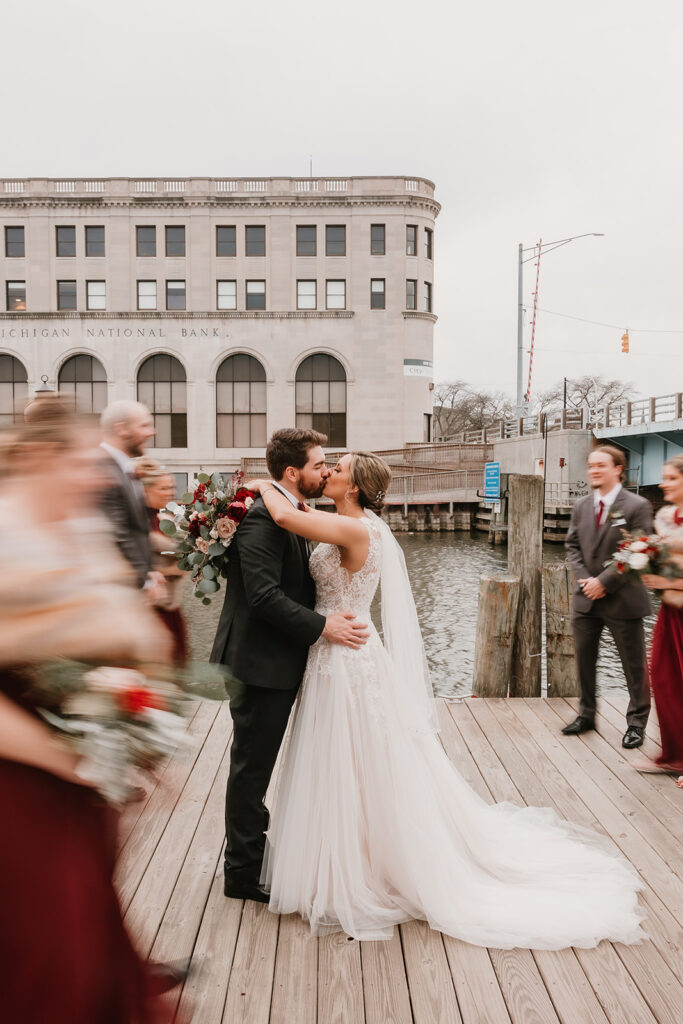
369, 824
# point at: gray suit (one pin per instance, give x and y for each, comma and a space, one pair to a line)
622, 609
124, 506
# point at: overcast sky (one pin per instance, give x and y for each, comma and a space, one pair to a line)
534, 119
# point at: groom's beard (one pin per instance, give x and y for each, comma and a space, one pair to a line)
310, 491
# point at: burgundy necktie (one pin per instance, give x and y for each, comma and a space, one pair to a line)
300, 505
598, 515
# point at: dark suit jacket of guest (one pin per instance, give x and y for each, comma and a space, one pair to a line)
588, 548
267, 623
126, 511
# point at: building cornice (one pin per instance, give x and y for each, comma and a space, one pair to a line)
413, 314
295, 314
176, 203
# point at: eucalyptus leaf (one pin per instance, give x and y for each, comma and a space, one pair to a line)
204, 533
186, 498
206, 600
207, 587
203, 478
216, 549
208, 572
195, 558
168, 527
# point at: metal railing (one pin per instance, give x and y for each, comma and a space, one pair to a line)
435, 486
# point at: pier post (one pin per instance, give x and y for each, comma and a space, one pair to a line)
563, 679
496, 620
525, 558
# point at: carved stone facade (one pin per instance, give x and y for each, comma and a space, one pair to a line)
324, 286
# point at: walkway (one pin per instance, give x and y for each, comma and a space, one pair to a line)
254, 968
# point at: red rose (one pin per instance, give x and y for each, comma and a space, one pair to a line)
199, 493
237, 511
243, 494
138, 698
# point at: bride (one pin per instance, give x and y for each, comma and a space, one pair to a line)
371, 825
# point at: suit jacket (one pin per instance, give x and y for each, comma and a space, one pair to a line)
126, 511
267, 623
588, 548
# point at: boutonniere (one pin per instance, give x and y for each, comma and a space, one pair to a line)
615, 517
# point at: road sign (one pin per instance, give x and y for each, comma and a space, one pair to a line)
492, 481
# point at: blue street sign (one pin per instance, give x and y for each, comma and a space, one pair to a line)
492, 481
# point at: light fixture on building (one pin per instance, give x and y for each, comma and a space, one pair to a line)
45, 388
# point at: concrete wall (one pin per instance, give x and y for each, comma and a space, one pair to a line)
521, 454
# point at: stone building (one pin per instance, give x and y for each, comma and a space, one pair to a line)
230, 307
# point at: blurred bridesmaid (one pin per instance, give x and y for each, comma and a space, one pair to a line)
666, 656
159, 489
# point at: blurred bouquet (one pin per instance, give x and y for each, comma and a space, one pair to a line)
203, 525
115, 719
637, 555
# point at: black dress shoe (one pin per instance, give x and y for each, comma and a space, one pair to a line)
166, 976
242, 891
580, 724
633, 737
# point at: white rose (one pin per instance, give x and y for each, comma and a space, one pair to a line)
214, 534
248, 502
639, 545
226, 528
202, 545
638, 561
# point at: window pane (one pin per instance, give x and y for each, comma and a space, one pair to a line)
336, 430
335, 240
162, 396
428, 244
411, 240
241, 396
255, 240
226, 244
224, 432
146, 393
256, 294
377, 239
321, 396
96, 295
377, 294
428, 297
175, 295
336, 294
306, 240
179, 396
227, 294
241, 428
306, 297
178, 430
16, 295
14, 242
224, 396
258, 397
337, 396
147, 295
258, 431
94, 241
66, 241
99, 397
66, 295
146, 240
304, 396
162, 425
411, 294
175, 240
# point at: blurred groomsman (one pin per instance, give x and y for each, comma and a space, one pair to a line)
601, 596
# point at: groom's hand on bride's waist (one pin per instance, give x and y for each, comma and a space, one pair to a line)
343, 628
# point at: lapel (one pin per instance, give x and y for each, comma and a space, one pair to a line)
603, 531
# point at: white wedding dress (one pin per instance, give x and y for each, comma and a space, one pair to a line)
371, 824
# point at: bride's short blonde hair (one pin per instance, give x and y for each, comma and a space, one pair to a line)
371, 475
676, 462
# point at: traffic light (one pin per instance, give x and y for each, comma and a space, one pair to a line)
624, 342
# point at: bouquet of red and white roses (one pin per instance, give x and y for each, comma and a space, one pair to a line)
640, 554
203, 525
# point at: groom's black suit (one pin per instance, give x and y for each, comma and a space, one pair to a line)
266, 627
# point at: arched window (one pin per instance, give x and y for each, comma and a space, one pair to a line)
13, 390
241, 403
321, 397
83, 377
162, 387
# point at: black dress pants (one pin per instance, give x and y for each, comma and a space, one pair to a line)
260, 717
629, 637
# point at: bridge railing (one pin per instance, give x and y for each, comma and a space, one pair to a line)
435, 484
662, 409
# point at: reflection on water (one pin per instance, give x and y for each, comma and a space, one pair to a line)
444, 570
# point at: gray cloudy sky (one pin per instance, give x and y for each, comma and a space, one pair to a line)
534, 119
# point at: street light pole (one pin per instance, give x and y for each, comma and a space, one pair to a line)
545, 247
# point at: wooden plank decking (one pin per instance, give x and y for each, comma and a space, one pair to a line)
252, 967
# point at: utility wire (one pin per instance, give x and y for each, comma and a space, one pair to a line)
616, 327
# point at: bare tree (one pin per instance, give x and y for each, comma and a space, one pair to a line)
586, 392
459, 408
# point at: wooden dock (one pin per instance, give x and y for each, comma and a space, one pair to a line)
251, 967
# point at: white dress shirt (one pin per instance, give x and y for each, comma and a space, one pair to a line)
607, 501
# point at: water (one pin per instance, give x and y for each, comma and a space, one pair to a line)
444, 569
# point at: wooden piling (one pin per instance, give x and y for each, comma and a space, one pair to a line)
496, 621
525, 558
563, 680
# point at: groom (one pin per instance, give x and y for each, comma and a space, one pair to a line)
266, 627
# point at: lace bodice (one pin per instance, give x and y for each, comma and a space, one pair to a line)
338, 589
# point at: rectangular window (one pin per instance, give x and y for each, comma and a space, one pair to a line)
66, 295
255, 236
306, 240
335, 294
428, 297
66, 241
95, 295
146, 240
16, 296
377, 240
377, 293
147, 295
306, 295
411, 294
175, 241
428, 244
226, 242
94, 241
226, 294
335, 240
256, 294
411, 239
14, 242
175, 295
